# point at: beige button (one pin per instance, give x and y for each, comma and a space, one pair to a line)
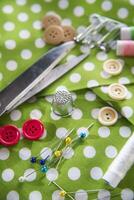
54, 35
113, 67
49, 20
69, 33
117, 91
107, 116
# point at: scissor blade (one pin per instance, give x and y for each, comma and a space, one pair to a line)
28, 79
54, 75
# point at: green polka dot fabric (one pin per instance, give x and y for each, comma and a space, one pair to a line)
84, 164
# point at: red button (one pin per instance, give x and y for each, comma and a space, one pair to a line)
33, 129
9, 135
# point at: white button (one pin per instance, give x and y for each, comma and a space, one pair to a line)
107, 116
113, 67
117, 91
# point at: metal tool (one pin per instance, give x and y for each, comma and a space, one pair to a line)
38, 77
62, 104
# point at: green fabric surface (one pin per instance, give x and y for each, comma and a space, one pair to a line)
21, 45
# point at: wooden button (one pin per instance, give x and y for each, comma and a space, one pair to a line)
69, 33
107, 116
113, 67
117, 91
49, 20
54, 35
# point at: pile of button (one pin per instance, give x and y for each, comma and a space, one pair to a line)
10, 135
55, 33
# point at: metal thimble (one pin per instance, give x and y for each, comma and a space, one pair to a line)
62, 103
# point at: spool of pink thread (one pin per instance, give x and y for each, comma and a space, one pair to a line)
125, 48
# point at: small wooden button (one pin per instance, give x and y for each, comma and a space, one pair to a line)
117, 91
54, 35
112, 66
49, 20
69, 33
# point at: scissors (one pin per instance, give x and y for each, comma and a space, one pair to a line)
39, 76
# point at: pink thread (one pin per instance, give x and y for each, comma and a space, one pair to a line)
128, 48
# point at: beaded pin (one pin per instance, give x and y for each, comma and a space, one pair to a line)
57, 155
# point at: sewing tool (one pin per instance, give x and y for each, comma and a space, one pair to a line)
125, 48
62, 103
121, 164
127, 33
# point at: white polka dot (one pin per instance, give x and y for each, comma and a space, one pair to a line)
78, 11
39, 43
32, 175
81, 195
21, 2
10, 44
22, 17
96, 173
104, 194
124, 80
82, 129
63, 4
35, 114
90, 96
95, 112
24, 153
61, 87
77, 114
70, 57
89, 66
129, 95
89, 152
127, 111
8, 9
35, 195
24, 34
9, 26
11, 65
104, 89
15, 115
125, 131
68, 153
26, 54
90, 1
122, 13
46, 152
49, 98
85, 49
104, 132
12, 195
44, 135
1, 76
75, 78
74, 173
101, 56
56, 195
7, 175
105, 75
61, 132
81, 29
127, 194
131, 2
66, 22
106, 5
36, 8
54, 116
92, 83
111, 151
74, 96
37, 25
4, 154
52, 174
